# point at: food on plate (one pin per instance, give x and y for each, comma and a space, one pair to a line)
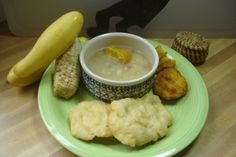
164, 60
169, 84
67, 72
123, 55
191, 45
89, 119
83, 40
52, 43
161, 52
135, 122
105, 66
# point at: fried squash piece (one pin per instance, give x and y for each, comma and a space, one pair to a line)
160, 52
164, 60
169, 84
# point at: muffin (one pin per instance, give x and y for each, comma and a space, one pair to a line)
191, 45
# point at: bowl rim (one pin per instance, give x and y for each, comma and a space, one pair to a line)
116, 82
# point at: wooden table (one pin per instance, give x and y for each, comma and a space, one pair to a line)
23, 133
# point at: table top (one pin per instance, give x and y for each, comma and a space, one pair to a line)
23, 133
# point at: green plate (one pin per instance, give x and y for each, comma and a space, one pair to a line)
189, 113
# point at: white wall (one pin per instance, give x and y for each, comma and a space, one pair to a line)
212, 18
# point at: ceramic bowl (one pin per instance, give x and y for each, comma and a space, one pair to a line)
107, 89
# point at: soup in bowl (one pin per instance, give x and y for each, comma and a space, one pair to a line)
118, 65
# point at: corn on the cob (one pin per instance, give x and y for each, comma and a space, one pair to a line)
121, 54
67, 72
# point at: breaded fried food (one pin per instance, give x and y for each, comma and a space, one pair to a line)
89, 119
135, 122
169, 84
164, 60
160, 51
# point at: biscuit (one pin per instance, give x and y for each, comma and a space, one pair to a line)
89, 119
169, 84
135, 122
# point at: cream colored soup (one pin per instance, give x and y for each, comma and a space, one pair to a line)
108, 67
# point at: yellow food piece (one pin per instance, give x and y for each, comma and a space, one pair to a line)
170, 84
83, 40
160, 51
121, 54
164, 60
21, 82
53, 42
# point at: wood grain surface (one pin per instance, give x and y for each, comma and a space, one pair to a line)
23, 133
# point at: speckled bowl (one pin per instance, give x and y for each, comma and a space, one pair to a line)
106, 89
